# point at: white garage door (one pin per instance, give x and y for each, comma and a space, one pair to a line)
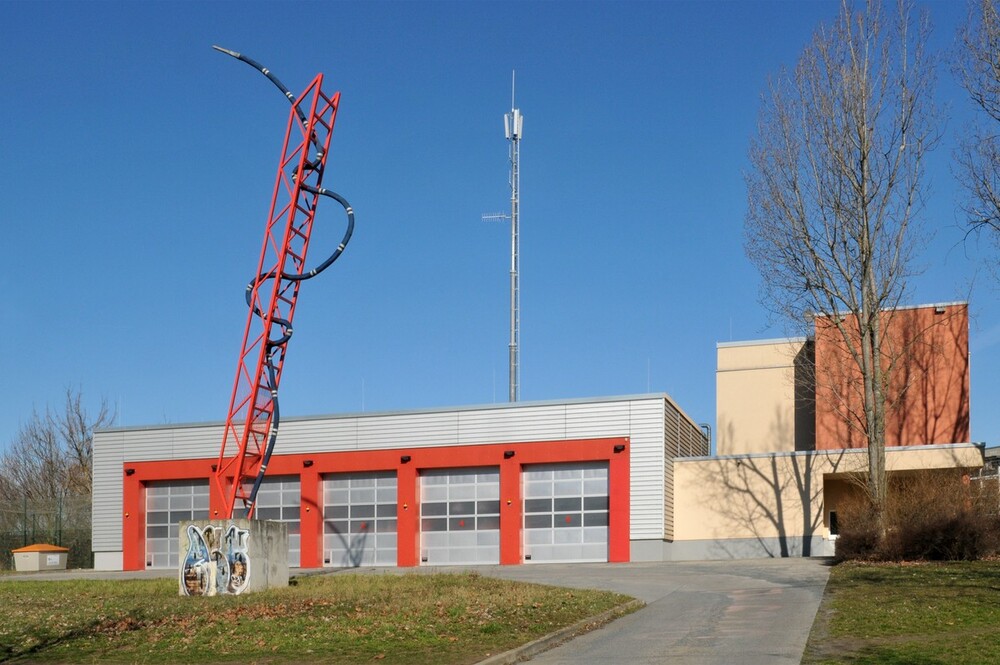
460, 516
167, 503
359, 519
278, 500
566, 512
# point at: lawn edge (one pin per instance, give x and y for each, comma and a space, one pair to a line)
554, 639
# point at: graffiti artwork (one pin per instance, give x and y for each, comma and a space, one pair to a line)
216, 561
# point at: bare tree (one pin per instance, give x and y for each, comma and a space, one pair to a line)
835, 187
978, 155
50, 456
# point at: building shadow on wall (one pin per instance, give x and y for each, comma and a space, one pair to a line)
925, 358
775, 501
932, 390
352, 546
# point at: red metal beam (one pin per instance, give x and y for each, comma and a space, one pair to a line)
272, 300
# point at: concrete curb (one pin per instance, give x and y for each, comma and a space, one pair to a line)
527, 651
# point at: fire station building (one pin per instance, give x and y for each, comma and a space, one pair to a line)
614, 479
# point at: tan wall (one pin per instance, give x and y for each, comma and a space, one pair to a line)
782, 495
756, 398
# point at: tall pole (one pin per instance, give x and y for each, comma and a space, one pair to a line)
513, 122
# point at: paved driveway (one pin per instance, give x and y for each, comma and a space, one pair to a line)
704, 613
745, 612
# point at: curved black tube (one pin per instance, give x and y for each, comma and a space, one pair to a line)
308, 274
272, 434
285, 91
277, 345
266, 72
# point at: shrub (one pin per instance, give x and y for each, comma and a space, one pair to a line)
930, 516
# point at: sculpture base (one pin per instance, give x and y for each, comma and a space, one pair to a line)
232, 556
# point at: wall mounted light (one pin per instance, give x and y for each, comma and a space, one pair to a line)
215, 467
619, 447
129, 472
404, 458
307, 463
940, 309
507, 454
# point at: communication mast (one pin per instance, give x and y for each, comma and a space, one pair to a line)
513, 124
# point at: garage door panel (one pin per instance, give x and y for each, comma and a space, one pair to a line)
460, 516
596, 519
490, 522
534, 522
567, 520
488, 491
491, 538
537, 537
359, 524
278, 500
535, 490
167, 503
566, 512
433, 493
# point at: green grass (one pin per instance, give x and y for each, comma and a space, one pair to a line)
917, 614
338, 618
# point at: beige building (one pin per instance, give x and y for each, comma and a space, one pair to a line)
770, 490
763, 398
779, 504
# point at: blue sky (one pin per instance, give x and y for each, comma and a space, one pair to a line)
136, 167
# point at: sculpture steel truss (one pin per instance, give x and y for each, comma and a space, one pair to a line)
252, 423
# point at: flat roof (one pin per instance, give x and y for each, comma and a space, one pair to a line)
378, 414
789, 340
761, 342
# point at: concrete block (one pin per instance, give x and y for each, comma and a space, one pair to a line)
232, 556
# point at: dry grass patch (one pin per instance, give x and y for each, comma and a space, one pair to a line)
339, 618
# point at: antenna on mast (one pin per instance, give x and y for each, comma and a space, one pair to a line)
513, 124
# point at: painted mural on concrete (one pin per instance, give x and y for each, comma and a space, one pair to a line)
216, 561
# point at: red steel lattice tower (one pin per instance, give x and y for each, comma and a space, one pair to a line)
272, 296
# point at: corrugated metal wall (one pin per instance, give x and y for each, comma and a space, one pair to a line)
641, 418
682, 438
106, 506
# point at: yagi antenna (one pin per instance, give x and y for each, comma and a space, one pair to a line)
513, 124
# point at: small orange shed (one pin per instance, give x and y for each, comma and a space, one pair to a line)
40, 557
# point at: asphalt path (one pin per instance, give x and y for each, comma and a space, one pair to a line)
744, 612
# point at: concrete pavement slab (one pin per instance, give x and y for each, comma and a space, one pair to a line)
756, 612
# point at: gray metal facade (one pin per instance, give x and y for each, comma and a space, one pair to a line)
658, 431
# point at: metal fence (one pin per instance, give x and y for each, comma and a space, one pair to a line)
64, 522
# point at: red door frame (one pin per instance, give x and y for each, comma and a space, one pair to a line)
407, 463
